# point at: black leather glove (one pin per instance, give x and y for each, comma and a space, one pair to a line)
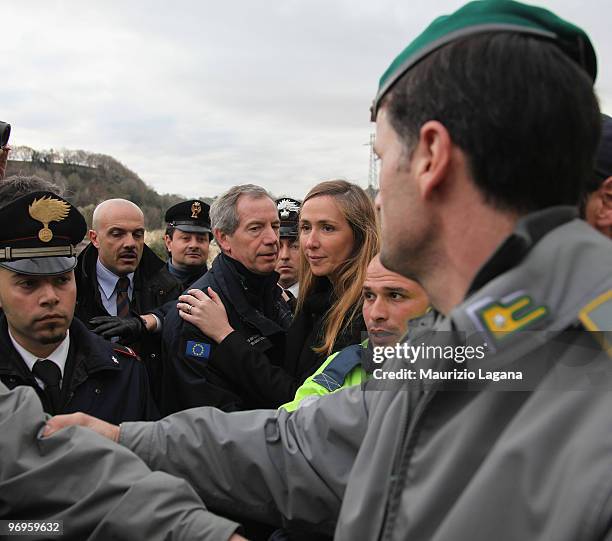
129, 328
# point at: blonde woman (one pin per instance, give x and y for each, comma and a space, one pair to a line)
338, 239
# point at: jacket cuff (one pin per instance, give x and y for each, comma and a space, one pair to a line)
137, 437
233, 346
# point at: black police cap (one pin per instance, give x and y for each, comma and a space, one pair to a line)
289, 214
39, 233
189, 216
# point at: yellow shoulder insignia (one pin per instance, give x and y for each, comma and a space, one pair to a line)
514, 313
596, 317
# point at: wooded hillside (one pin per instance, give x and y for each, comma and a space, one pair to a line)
88, 179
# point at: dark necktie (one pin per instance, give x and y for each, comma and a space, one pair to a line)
292, 301
49, 373
123, 301
290, 295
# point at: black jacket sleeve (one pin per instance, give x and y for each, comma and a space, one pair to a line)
261, 383
187, 378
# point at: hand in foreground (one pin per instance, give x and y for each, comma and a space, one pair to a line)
130, 328
81, 419
206, 312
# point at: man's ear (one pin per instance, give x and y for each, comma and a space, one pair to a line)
606, 190
222, 241
93, 237
604, 213
432, 157
167, 241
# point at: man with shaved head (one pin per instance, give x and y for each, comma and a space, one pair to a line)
118, 276
118, 234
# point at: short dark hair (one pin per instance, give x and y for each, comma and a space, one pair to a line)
524, 114
17, 186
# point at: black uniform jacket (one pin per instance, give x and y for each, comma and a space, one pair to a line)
268, 385
185, 279
153, 286
102, 379
191, 361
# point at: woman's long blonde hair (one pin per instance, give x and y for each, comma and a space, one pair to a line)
358, 211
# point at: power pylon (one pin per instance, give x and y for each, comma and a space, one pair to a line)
373, 172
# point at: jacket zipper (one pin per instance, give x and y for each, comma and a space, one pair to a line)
402, 461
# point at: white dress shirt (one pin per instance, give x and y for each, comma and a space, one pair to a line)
59, 355
295, 289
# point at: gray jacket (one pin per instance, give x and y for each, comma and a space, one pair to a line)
99, 490
451, 460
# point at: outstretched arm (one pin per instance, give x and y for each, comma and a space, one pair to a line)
260, 464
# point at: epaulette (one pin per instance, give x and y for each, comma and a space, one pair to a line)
335, 373
596, 317
124, 350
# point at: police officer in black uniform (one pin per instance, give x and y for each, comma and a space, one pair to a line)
187, 239
289, 252
44, 346
245, 223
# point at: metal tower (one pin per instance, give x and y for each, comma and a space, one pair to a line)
373, 172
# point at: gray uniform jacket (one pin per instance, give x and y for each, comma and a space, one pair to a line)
98, 489
450, 460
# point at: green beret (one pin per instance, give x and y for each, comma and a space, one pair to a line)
490, 16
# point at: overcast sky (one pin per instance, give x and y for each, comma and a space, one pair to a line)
195, 96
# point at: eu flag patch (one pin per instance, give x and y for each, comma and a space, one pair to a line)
197, 349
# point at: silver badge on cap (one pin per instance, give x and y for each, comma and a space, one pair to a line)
286, 206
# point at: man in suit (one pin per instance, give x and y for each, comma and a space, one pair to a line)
119, 278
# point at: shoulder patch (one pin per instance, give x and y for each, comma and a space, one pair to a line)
124, 350
200, 350
596, 317
503, 317
335, 373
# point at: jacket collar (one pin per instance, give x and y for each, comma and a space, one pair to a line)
564, 266
186, 277
11, 362
147, 268
233, 287
527, 233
